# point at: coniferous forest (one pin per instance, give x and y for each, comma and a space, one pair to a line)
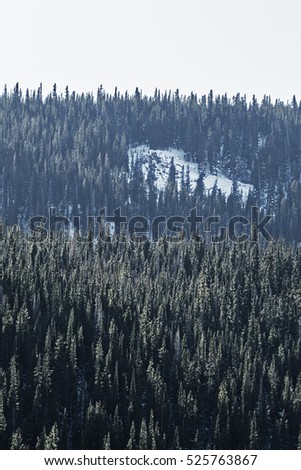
116, 341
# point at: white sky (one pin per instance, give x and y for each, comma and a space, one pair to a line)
246, 46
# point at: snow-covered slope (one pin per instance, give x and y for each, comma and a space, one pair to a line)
161, 160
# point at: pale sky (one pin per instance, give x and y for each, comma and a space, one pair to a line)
246, 46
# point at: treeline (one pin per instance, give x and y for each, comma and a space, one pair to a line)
139, 345
71, 152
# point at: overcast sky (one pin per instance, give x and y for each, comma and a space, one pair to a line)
246, 46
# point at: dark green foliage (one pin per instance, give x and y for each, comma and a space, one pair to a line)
117, 351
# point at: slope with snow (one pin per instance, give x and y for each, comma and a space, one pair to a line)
161, 160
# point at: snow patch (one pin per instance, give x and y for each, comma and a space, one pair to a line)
161, 161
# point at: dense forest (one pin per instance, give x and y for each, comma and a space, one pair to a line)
123, 342
150, 345
71, 152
